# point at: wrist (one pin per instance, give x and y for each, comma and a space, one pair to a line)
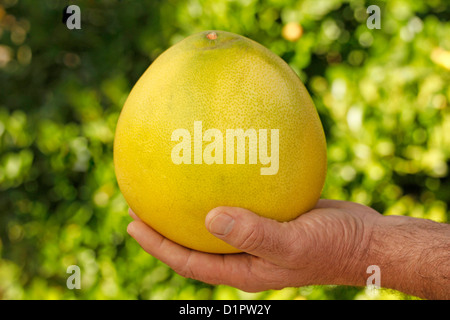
411, 255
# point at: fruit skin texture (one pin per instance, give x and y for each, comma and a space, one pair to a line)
227, 83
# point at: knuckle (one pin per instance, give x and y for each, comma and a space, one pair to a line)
291, 251
185, 269
252, 237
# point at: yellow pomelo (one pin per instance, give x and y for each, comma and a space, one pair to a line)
205, 86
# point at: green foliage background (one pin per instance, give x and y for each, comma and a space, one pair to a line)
383, 96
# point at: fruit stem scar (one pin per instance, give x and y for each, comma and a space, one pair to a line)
211, 35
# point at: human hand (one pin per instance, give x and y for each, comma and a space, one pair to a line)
326, 245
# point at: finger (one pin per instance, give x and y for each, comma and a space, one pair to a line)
251, 233
133, 215
232, 269
344, 205
329, 203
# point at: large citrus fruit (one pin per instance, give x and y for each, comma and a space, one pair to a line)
218, 120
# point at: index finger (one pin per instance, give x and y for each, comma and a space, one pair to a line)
230, 269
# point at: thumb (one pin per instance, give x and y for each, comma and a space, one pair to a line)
249, 232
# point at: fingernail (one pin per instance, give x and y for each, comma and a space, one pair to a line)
130, 228
221, 224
